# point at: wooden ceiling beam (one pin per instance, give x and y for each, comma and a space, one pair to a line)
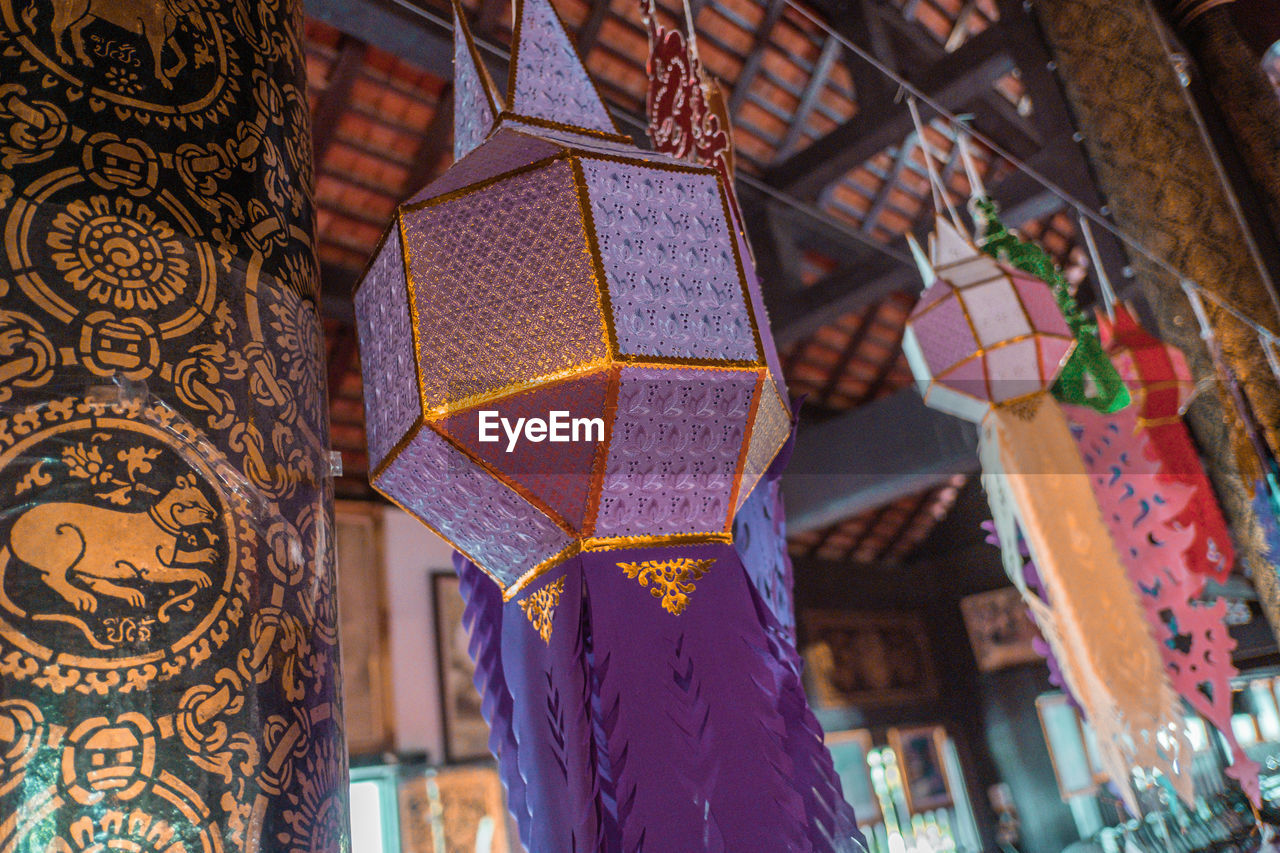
589, 32
831, 50
850, 351
332, 102
953, 81
755, 58
886, 367
872, 275
437, 144
890, 448
393, 29
905, 150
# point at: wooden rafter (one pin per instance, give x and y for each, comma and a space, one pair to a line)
953, 81
589, 32
885, 369
960, 29
751, 66
865, 324
333, 100
831, 50
881, 199
437, 143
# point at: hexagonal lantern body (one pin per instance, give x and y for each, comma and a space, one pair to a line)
983, 334
549, 277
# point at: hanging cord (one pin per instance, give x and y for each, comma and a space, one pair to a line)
977, 189
941, 198
1244, 409
1104, 281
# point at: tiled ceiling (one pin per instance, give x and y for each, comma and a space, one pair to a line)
383, 129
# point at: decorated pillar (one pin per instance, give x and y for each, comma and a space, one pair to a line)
168, 642
1234, 76
1155, 169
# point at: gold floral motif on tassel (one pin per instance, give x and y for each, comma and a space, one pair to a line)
540, 608
673, 580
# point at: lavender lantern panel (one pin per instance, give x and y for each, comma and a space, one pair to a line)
501, 531
392, 404
677, 436
769, 431
504, 287
504, 152
675, 287
473, 113
550, 81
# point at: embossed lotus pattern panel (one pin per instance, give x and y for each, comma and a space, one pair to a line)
503, 285
501, 531
674, 284
677, 436
391, 405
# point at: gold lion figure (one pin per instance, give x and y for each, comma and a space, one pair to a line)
99, 546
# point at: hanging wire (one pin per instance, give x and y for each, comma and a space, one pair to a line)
958, 128
941, 198
1104, 281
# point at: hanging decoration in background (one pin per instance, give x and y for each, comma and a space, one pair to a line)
986, 342
1088, 363
1032, 579
1141, 509
1151, 506
1160, 382
566, 378
688, 117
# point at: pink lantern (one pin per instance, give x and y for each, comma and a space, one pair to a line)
983, 333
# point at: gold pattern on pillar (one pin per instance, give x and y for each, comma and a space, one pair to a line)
1163, 189
1240, 88
168, 634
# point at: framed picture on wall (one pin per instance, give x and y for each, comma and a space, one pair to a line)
454, 810
466, 734
849, 751
1068, 744
859, 659
919, 751
362, 620
1000, 629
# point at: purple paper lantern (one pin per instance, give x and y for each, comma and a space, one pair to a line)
559, 347
983, 334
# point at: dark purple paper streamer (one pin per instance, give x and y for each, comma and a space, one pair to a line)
693, 735
482, 617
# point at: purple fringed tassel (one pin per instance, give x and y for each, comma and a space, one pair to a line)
691, 712
1031, 578
760, 536
832, 823
549, 681
636, 729
482, 616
